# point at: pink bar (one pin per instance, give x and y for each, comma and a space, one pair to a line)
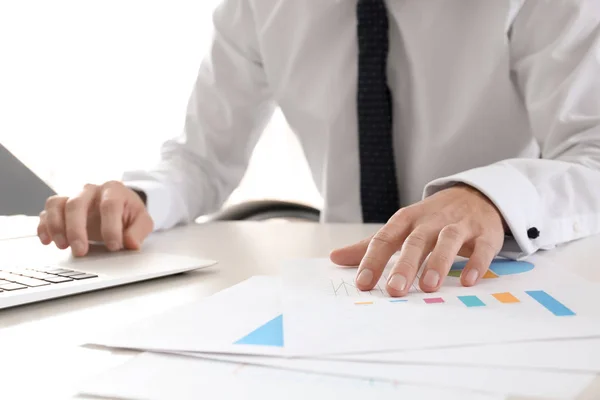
434, 300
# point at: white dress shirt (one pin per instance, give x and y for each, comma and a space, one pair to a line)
500, 95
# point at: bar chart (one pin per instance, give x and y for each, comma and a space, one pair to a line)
541, 297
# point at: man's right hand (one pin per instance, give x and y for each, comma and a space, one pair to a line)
111, 213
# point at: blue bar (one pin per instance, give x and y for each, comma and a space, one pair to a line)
398, 301
471, 301
554, 306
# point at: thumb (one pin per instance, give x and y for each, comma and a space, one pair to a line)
135, 233
350, 256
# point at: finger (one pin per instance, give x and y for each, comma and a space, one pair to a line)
42, 230
350, 256
449, 243
479, 262
55, 218
140, 228
111, 218
414, 250
76, 216
381, 248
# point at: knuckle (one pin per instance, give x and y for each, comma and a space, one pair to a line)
404, 214
73, 204
417, 238
453, 231
407, 265
442, 259
371, 259
384, 237
109, 205
487, 245
112, 185
54, 201
54, 222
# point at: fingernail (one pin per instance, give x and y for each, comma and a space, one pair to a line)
472, 276
78, 247
43, 237
60, 240
113, 246
365, 277
397, 282
431, 278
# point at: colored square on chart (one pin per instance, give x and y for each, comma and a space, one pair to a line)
455, 273
471, 301
434, 300
506, 298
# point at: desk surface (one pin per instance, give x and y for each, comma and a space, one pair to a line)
42, 341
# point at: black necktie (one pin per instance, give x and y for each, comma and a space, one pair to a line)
378, 188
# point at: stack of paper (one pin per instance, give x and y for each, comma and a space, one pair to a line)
528, 329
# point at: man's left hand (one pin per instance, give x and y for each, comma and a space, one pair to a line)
459, 220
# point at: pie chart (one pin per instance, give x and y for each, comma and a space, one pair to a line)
498, 268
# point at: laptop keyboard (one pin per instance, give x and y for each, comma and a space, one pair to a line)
12, 279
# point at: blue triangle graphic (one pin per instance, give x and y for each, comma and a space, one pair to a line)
269, 334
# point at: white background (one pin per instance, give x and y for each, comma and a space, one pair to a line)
89, 89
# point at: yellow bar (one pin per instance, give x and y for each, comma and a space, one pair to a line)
505, 298
358, 303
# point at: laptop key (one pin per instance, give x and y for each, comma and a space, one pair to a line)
38, 275
84, 276
40, 269
58, 279
23, 280
12, 286
57, 271
5, 275
71, 273
3, 282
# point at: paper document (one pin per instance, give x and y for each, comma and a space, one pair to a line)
163, 376
514, 381
515, 301
575, 355
243, 319
219, 324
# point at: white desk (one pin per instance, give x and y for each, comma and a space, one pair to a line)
40, 353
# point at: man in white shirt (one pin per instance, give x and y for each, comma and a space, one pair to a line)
478, 120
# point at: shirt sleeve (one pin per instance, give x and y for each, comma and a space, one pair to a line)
228, 110
555, 53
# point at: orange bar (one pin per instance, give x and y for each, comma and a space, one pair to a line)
358, 303
505, 298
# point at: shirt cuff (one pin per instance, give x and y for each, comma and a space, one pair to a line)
157, 200
515, 197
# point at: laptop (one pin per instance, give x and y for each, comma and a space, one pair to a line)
23, 193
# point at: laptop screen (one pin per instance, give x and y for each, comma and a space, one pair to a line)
21, 191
